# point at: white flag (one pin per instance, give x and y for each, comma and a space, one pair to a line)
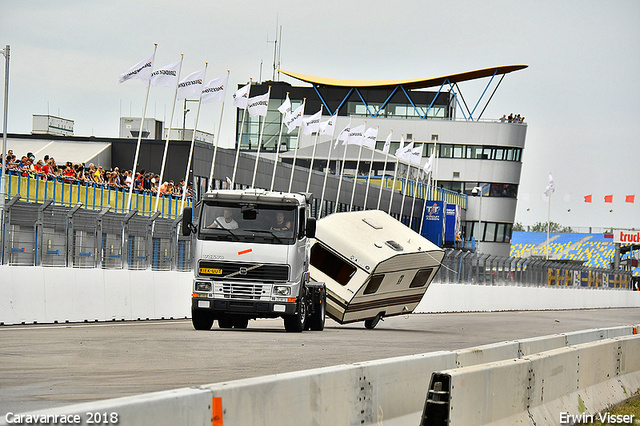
416, 155
285, 108
258, 105
356, 135
344, 134
312, 124
191, 86
141, 70
215, 90
294, 119
166, 76
328, 127
551, 188
387, 144
370, 137
428, 166
241, 96
404, 152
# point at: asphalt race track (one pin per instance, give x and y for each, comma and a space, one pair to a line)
43, 366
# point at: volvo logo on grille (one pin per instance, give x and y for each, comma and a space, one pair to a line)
243, 271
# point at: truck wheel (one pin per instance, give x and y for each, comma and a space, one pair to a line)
371, 323
240, 322
201, 320
295, 323
224, 322
316, 319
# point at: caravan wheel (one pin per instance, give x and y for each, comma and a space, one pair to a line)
371, 323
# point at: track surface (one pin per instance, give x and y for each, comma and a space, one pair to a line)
44, 366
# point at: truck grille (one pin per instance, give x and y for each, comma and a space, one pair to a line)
245, 291
244, 271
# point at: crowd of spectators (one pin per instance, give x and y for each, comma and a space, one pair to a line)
512, 118
48, 169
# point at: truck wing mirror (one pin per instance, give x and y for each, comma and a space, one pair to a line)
187, 216
311, 227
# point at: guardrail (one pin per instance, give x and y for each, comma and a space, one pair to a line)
386, 392
562, 386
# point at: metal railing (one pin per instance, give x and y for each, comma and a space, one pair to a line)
471, 267
48, 234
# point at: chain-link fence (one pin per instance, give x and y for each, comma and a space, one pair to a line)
52, 235
469, 267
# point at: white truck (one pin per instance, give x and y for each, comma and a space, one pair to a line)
251, 260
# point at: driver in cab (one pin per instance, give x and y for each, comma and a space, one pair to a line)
225, 221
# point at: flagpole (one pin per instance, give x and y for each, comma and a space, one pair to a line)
313, 155
326, 170
548, 223
193, 142
235, 164
264, 120
275, 164
355, 175
424, 204
344, 158
295, 153
217, 139
384, 172
144, 112
166, 144
415, 195
373, 154
393, 185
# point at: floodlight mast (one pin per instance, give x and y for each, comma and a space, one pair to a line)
3, 175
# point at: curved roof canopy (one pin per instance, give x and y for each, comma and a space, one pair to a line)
421, 83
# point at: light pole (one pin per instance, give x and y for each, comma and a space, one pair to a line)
477, 191
3, 175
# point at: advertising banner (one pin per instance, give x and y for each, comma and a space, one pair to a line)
433, 222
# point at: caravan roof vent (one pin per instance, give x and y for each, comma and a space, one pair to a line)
395, 246
372, 223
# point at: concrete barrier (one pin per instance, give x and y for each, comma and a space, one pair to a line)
387, 392
488, 298
52, 294
546, 388
57, 295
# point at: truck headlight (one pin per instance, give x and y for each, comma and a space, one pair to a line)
280, 290
203, 286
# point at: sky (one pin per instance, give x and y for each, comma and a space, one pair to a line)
580, 94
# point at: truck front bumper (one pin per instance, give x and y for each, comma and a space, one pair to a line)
257, 308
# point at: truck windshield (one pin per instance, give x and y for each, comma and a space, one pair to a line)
260, 223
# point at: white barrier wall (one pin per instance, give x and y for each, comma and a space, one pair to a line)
578, 381
49, 294
391, 392
478, 298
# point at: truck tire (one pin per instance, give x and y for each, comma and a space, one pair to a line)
317, 318
240, 322
296, 323
201, 320
224, 321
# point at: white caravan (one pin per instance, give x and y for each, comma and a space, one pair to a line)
372, 265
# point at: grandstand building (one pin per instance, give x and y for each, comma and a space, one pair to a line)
476, 174
472, 152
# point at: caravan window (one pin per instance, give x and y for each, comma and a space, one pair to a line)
421, 278
374, 284
331, 265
